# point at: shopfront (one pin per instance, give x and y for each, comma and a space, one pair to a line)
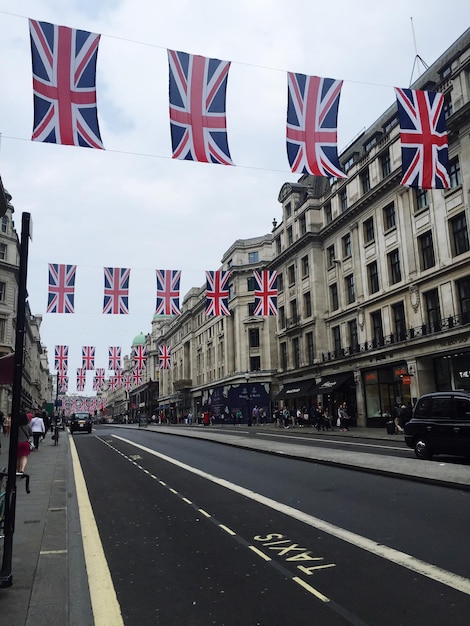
296, 395
452, 372
384, 388
335, 390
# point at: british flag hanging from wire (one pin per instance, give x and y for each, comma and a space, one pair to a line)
61, 358
217, 293
197, 108
136, 377
114, 356
127, 382
88, 357
168, 292
98, 379
112, 383
265, 293
61, 288
63, 383
423, 137
118, 375
164, 357
312, 121
139, 356
116, 290
81, 379
64, 85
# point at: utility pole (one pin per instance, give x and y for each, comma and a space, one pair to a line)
6, 577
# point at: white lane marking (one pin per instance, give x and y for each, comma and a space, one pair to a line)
341, 441
104, 602
390, 554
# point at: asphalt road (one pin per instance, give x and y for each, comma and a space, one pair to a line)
198, 533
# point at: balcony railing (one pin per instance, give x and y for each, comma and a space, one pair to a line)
396, 338
293, 321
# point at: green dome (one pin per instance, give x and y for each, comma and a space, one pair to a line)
139, 340
157, 317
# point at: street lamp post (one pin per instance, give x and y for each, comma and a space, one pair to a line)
247, 376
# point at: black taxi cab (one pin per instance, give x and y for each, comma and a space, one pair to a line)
80, 422
440, 425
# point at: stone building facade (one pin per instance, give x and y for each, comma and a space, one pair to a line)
37, 381
373, 288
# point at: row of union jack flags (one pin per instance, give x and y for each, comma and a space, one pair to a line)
116, 380
65, 110
61, 296
61, 358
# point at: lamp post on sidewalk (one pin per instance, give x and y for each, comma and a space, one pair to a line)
6, 578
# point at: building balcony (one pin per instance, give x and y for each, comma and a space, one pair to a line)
410, 334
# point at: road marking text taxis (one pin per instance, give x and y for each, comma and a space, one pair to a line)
292, 552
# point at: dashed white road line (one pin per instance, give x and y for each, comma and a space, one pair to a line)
390, 554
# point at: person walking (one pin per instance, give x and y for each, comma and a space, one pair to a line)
343, 417
327, 419
319, 418
24, 450
7, 425
38, 429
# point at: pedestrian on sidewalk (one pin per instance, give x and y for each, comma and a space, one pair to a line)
328, 419
38, 428
24, 435
343, 417
319, 418
7, 425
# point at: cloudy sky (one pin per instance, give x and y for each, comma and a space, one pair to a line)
132, 205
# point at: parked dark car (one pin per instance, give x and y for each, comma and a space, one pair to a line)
80, 422
440, 425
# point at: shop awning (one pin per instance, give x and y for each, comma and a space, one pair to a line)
296, 390
328, 384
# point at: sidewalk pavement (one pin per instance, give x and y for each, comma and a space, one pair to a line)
446, 473
50, 585
47, 561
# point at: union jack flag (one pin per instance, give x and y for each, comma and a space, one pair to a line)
98, 379
64, 85
197, 108
61, 358
127, 382
112, 383
118, 377
63, 383
312, 121
88, 357
168, 292
139, 357
116, 290
61, 288
217, 293
136, 377
266, 293
114, 354
164, 357
423, 136
81, 379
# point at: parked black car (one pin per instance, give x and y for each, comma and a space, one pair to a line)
80, 422
440, 425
